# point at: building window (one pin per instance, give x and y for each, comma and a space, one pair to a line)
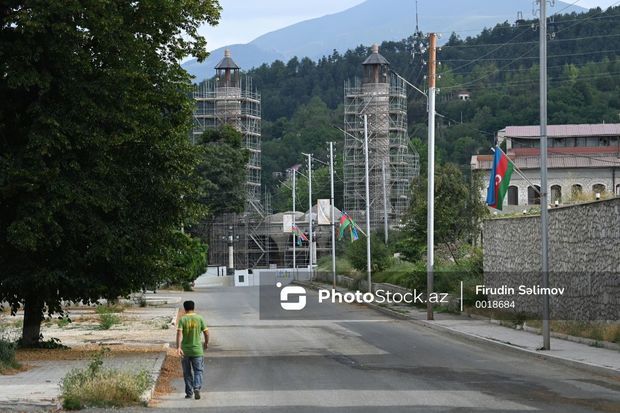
603, 141
513, 195
618, 190
598, 188
576, 190
533, 195
556, 194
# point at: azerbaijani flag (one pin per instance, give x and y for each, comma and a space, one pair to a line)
499, 179
300, 235
347, 222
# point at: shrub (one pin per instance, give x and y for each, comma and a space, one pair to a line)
63, 321
107, 320
7, 355
109, 308
379, 254
96, 386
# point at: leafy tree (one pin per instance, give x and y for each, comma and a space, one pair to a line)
223, 170
458, 211
379, 253
283, 200
97, 174
188, 260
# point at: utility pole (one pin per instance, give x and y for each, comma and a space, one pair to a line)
294, 213
310, 240
367, 204
544, 212
333, 211
385, 211
430, 214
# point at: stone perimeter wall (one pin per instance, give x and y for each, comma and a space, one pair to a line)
584, 258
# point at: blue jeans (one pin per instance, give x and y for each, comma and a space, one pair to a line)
192, 381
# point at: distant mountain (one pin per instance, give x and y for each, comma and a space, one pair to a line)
371, 22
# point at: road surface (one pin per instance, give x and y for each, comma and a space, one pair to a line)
367, 363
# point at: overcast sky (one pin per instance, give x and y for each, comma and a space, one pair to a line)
242, 20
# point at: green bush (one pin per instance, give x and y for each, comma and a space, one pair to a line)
7, 355
109, 308
380, 257
63, 321
343, 266
96, 386
107, 320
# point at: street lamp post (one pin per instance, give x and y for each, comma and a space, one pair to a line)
231, 251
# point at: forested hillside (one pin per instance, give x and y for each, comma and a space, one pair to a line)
498, 67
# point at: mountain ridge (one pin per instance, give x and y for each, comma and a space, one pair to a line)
381, 20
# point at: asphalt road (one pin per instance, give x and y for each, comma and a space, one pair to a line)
367, 362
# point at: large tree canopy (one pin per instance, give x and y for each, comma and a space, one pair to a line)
96, 172
223, 169
458, 211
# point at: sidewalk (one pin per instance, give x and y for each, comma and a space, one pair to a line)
138, 341
566, 352
39, 385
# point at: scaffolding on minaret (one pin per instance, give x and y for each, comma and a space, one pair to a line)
381, 96
231, 99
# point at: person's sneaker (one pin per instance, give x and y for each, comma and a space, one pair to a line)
188, 396
196, 394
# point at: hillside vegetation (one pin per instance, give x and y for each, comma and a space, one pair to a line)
302, 98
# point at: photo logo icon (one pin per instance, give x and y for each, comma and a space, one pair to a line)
289, 290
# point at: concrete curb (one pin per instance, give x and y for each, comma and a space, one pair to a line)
155, 372
595, 368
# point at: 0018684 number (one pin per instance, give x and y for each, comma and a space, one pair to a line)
495, 304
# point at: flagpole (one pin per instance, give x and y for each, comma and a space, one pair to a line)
333, 211
310, 246
294, 212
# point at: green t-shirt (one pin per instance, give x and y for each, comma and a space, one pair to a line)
192, 325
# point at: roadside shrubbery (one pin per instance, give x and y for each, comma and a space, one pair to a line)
7, 355
96, 386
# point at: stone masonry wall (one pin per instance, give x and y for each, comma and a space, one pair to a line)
584, 258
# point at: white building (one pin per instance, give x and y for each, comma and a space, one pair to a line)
581, 159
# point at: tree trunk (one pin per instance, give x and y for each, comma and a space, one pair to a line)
33, 316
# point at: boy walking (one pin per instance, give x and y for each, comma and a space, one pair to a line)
190, 347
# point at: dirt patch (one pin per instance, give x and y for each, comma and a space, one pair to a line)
170, 370
10, 372
80, 353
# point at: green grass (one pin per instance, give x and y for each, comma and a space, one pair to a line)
63, 322
398, 273
96, 386
7, 356
110, 308
343, 266
107, 320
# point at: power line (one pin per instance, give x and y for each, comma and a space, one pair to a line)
511, 27
528, 82
531, 42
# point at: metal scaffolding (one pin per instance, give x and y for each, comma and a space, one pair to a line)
231, 99
383, 98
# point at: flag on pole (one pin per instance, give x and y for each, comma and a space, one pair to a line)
300, 235
499, 179
347, 222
